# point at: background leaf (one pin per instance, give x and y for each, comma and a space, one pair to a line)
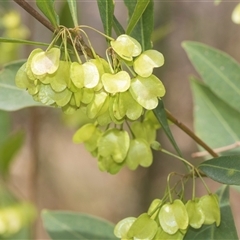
214, 120
11, 97
160, 114
219, 71
226, 230
8, 150
224, 169
106, 10
5, 126
47, 8
144, 28
73, 10
66, 225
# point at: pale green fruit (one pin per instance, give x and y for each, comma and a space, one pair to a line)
107, 164
150, 118
195, 213
115, 107
114, 143
91, 143
78, 98
114, 110
33, 88
143, 65
143, 130
211, 209
162, 235
96, 105
29, 61
59, 80
46, 95
128, 106
114, 83
88, 95
84, 133
154, 208
122, 227
62, 98
236, 14
21, 78
91, 75
173, 216
103, 117
143, 228
126, 47
139, 153
146, 91
46, 62
69, 110
77, 74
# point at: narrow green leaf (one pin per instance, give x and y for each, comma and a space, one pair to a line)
160, 114
137, 14
118, 28
219, 71
213, 118
8, 150
11, 97
64, 16
67, 225
14, 40
106, 10
47, 8
144, 27
224, 169
73, 10
226, 230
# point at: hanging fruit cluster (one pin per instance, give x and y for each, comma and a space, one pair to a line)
170, 220
114, 93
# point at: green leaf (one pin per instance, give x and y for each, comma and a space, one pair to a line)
14, 40
106, 10
47, 8
224, 169
144, 27
213, 118
11, 97
64, 16
8, 150
68, 226
219, 71
118, 28
160, 114
73, 10
137, 14
226, 230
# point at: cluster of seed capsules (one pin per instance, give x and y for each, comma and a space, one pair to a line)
109, 92
170, 220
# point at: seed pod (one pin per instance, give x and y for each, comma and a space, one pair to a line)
173, 216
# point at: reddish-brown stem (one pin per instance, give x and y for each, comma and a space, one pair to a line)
190, 134
35, 14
